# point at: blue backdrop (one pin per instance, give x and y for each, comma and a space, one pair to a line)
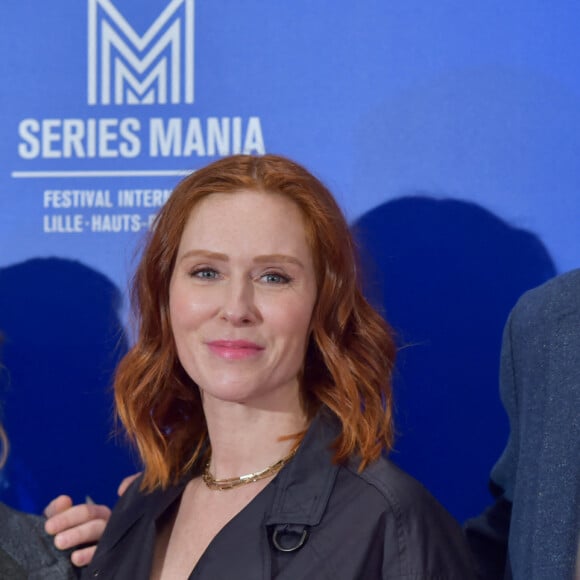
448, 131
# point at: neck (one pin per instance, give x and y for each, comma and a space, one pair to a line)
245, 439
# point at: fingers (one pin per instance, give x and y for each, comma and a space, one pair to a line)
82, 535
83, 557
58, 505
80, 524
77, 525
126, 483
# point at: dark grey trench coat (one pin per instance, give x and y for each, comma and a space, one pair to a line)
314, 521
27, 552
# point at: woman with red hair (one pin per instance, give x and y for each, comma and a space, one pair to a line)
259, 396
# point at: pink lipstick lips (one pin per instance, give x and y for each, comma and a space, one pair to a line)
234, 349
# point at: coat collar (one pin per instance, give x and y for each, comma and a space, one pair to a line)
304, 486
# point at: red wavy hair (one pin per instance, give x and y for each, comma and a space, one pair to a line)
349, 358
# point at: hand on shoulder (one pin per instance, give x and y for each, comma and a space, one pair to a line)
76, 527
79, 527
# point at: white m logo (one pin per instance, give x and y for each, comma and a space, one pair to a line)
126, 68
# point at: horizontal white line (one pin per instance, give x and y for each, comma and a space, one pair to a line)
142, 173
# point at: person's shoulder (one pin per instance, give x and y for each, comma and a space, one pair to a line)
558, 296
18, 527
16, 519
137, 505
400, 490
430, 541
133, 504
23, 542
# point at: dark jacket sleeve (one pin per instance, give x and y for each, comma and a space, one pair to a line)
487, 536
538, 474
421, 540
26, 549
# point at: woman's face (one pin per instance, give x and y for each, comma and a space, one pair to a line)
241, 298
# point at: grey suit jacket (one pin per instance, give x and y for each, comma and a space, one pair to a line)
538, 474
27, 552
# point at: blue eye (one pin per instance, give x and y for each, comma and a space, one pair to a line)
275, 278
205, 274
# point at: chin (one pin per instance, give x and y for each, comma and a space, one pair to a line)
230, 392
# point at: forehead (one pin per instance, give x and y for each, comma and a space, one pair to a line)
246, 218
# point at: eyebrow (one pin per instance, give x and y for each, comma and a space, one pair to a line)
204, 254
278, 258
258, 259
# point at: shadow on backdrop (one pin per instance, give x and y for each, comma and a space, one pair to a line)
63, 339
446, 273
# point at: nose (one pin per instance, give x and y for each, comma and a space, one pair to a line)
239, 307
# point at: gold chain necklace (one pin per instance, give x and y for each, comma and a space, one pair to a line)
230, 483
